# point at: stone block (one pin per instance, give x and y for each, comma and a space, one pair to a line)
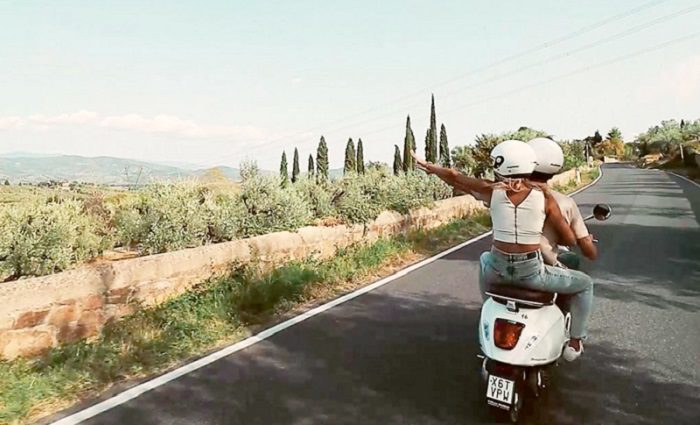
92, 302
30, 319
61, 316
25, 342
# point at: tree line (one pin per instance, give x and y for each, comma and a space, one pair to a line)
435, 151
474, 159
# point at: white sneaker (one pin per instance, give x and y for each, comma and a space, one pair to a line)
570, 354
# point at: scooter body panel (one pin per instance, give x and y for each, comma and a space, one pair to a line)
541, 340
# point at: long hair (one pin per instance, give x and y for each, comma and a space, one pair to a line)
518, 184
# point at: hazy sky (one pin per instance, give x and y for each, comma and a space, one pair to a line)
213, 82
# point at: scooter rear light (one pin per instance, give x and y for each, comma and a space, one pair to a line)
506, 333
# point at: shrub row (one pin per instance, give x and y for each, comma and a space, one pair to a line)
40, 238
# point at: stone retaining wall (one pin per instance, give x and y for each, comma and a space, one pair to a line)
44, 312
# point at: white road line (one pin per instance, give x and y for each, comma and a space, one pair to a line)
136, 391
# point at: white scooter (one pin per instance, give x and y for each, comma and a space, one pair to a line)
522, 333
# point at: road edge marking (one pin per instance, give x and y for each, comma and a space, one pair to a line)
161, 380
684, 178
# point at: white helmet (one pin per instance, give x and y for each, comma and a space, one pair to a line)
513, 158
550, 157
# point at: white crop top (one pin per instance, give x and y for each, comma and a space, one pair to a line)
522, 224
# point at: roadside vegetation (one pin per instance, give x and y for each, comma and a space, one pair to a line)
42, 236
49, 229
671, 145
46, 231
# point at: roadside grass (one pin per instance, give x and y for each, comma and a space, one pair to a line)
213, 314
587, 178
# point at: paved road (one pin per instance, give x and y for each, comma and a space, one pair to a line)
405, 353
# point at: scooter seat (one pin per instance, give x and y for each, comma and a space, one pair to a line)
523, 294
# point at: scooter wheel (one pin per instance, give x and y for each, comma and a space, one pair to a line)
534, 380
517, 407
545, 378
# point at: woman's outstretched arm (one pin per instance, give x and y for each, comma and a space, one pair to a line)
454, 178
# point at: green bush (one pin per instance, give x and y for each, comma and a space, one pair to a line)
270, 208
414, 190
128, 226
43, 238
225, 215
318, 196
359, 198
166, 217
574, 154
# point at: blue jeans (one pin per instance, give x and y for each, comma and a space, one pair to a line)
498, 268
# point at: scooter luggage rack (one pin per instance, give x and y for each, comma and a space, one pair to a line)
520, 301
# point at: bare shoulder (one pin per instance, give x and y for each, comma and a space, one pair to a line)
562, 199
567, 205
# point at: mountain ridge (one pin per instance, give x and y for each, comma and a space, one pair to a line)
34, 168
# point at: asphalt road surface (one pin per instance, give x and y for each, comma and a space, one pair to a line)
405, 353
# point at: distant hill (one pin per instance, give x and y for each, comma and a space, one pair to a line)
336, 173
33, 168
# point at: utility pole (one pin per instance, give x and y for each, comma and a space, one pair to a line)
126, 174
138, 177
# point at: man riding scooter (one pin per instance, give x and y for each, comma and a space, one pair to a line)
550, 159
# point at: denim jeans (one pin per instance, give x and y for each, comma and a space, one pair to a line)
497, 268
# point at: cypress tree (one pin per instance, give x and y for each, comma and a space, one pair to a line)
284, 174
409, 144
398, 164
350, 165
431, 153
360, 162
427, 145
295, 166
311, 168
322, 160
444, 148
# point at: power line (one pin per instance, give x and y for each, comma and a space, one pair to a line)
545, 45
589, 46
563, 76
551, 59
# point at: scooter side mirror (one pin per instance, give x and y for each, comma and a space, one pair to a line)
602, 212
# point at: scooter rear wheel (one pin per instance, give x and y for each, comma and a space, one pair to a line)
517, 406
537, 381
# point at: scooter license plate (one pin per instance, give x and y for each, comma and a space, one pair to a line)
500, 389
